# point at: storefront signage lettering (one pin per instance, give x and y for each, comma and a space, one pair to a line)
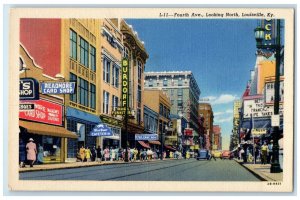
110, 120
269, 26
146, 137
44, 111
101, 130
58, 88
26, 106
258, 131
257, 108
28, 89
125, 80
120, 111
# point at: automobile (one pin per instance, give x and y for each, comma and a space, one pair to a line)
217, 154
226, 154
203, 154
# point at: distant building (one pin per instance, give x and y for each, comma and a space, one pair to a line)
184, 92
217, 143
206, 111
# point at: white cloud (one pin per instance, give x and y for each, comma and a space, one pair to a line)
229, 111
222, 120
222, 99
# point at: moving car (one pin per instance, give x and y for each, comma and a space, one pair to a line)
203, 154
226, 154
217, 154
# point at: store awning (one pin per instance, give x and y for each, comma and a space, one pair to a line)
169, 147
257, 123
154, 142
45, 129
144, 144
84, 116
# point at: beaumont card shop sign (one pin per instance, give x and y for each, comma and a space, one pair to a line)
28, 89
44, 112
58, 88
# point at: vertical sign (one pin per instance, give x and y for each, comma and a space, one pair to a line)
269, 26
125, 81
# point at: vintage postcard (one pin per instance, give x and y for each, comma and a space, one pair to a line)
151, 99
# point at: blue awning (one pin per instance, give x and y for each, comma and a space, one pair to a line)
257, 123
82, 116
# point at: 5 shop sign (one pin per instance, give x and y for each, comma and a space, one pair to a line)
28, 89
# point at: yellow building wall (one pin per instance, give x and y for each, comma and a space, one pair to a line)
265, 69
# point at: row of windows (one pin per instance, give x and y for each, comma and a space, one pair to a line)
108, 71
164, 111
87, 53
165, 83
105, 106
85, 93
150, 123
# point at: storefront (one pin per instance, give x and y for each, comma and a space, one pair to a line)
44, 124
116, 126
81, 123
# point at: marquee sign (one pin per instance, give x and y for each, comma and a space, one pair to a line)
258, 131
257, 108
101, 130
146, 137
44, 111
125, 81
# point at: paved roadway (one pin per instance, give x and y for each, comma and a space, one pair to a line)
167, 170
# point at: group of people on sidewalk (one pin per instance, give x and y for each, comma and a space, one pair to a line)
86, 154
262, 153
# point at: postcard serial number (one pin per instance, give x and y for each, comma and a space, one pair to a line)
274, 183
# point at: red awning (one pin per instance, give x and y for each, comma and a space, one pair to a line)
154, 142
144, 144
169, 147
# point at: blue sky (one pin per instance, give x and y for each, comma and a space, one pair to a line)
220, 53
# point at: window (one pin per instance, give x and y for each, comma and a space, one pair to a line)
172, 92
179, 103
83, 92
93, 96
105, 102
93, 58
160, 109
179, 92
139, 99
172, 102
140, 67
106, 70
126, 52
150, 83
165, 82
73, 78
115, 101
138, 116
115, 76
84, 52
73, 44
179, 82
146, 122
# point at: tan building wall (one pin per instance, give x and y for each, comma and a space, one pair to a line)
265, 69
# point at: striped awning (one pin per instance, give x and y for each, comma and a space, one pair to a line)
154, 142
144, 144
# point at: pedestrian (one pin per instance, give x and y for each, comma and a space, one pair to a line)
135, 152
116, 153
99, 154
82, 153
106, 154
88, 154
149, 154
187, 155
22, 152
110, 153
94, 153
120, 151
256, 154
40, 156
270, 152
264, 152
31, 151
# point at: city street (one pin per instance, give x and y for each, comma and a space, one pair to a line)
167, 170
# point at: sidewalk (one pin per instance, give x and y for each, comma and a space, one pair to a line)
68, 165
261, 171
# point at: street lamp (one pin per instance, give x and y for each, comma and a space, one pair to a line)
259, 34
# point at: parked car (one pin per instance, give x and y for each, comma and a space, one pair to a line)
217, 154
203, 154
226, 154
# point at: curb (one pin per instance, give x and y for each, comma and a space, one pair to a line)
260, 177
80, 166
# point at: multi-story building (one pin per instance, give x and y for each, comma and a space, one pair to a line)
69, 49
206, 111
184, 93
236, 124
137, 55
44, 123
159, 101
217, 143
